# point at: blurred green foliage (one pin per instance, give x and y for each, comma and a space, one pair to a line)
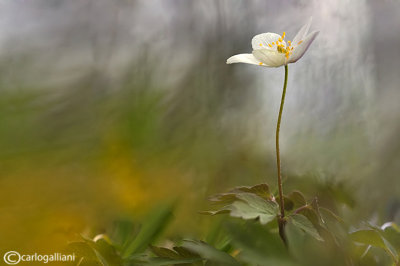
313, 236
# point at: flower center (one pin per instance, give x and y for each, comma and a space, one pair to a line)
281, 47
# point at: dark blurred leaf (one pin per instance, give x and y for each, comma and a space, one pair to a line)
335, 225
84, 253
304, 224
218, 238
328, 214
124, 232
179, 255
151, 229
311, 214
185, 253
337, 192
258, 245
287, 202
368, 237
387, 245
308, 250
374, 237
99, 252
136, 259
213, 255
392, 233
166, 261
165, 253
297, 198
105, 252
296, 239
391, 250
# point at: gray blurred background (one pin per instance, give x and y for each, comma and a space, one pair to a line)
107, 107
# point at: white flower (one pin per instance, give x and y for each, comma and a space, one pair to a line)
271, 50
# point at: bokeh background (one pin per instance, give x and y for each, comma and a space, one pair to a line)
109, 108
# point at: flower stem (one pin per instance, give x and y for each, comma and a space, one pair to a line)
281, 219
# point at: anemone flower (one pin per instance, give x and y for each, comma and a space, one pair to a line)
271, 50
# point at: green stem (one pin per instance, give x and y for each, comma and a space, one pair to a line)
281, 219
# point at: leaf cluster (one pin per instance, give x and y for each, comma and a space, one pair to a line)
314, 236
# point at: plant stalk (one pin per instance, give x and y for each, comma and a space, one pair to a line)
281, 219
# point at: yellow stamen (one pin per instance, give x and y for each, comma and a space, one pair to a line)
283, 35
260, 44
269, 45
273, 43
289, 42
279, 40
281, 49
260, 64
300, 42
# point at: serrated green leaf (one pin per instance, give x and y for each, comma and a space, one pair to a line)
301, 222
223, 198
251, 206
261, 190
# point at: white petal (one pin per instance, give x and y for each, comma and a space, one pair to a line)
270, 58
243, 58
264, 39
302, 32
300, 49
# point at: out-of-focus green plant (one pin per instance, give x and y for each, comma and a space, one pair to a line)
126, 244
